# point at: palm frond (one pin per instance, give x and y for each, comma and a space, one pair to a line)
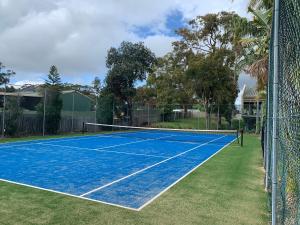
262, 16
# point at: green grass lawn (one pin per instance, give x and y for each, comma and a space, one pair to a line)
228, 189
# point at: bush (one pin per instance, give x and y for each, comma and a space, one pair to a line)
13, 114
105, 109
237, 124
53, 110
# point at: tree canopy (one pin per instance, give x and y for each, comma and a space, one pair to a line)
54, 78
255, 38
52, 100
5, 74
129, 63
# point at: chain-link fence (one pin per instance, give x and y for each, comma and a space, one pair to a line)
193, 116
35, 110
39, 110
282, 148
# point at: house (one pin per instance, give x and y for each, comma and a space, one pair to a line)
251, 108
76, 108
76, 101
31, 96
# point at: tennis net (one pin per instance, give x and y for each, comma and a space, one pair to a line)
167, 134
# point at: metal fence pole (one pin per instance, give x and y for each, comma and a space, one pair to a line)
3, 114
96, 108
148, 114
44, 112
275, 111
257, 131
199, 115
19, 108
113, 112
218, 117
73, 108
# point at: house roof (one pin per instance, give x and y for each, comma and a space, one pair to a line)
36, 94
251, 94
78, 92
23, 94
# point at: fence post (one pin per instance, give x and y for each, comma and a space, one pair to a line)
113, 113
218, 117
148, 114
96, 108
257, 130
199, 115
44, 112
73, 108
268, 141
3, 114
275, 111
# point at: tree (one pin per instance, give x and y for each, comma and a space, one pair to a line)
53, 77
260, 4
127, 64
213, 83
146, 94
171, 83
97, 85
207, 33
5, 75
12, 107
209, 43
53, 102
255, 39
13, 114
105, 107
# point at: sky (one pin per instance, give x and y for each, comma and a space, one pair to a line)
75, 35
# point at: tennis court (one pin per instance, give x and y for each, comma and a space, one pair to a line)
125, 168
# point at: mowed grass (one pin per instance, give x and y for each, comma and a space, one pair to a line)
228, 189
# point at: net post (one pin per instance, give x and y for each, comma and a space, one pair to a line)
242, 137
237, 136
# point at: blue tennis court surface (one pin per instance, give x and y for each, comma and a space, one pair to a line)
123, 170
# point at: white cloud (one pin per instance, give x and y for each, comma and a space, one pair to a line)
75, 35
159, 44
23, 82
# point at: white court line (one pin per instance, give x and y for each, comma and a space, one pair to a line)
54, 140
113, 146
82, 138
67, 194
149, 167
9, 144
103, 202
100, 149
30, 142
62, 139
51, 138
177, 181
